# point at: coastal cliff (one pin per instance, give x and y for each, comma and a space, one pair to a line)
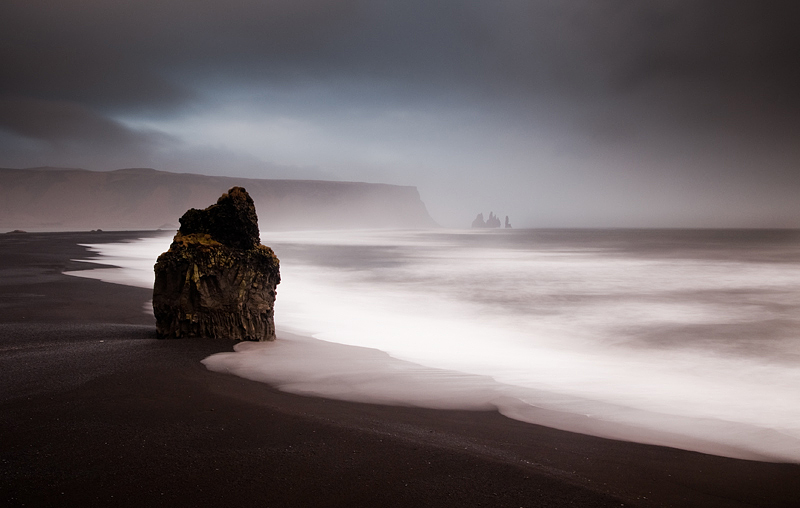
51, 199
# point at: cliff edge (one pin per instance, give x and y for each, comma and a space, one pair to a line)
52, 199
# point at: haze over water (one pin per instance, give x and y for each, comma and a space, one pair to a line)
688, 338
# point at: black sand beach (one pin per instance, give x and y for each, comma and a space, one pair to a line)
95, 411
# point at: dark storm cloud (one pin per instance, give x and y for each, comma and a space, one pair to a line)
139, 54
620, 44
122, 54
36, 132
67, 66
66, 122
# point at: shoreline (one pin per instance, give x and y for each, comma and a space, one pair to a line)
94, 410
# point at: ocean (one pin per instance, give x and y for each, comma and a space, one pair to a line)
683, 338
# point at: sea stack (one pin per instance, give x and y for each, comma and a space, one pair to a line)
217, 280
492, 222
479, 222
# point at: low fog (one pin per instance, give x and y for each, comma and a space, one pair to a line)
602, 113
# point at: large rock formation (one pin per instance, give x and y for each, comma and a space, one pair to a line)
479, 222
492, 222
217, 280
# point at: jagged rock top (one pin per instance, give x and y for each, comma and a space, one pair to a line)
232, 221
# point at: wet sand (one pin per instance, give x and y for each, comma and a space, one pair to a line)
94, 411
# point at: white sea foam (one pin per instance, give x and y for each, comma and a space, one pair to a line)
694, 351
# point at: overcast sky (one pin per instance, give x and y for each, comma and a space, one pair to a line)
555, 112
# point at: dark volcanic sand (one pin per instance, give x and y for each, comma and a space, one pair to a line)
94, 411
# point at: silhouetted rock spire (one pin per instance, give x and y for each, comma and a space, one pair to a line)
492, 222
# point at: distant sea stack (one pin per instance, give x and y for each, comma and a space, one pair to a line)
492, 222
217, 280
53, 199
